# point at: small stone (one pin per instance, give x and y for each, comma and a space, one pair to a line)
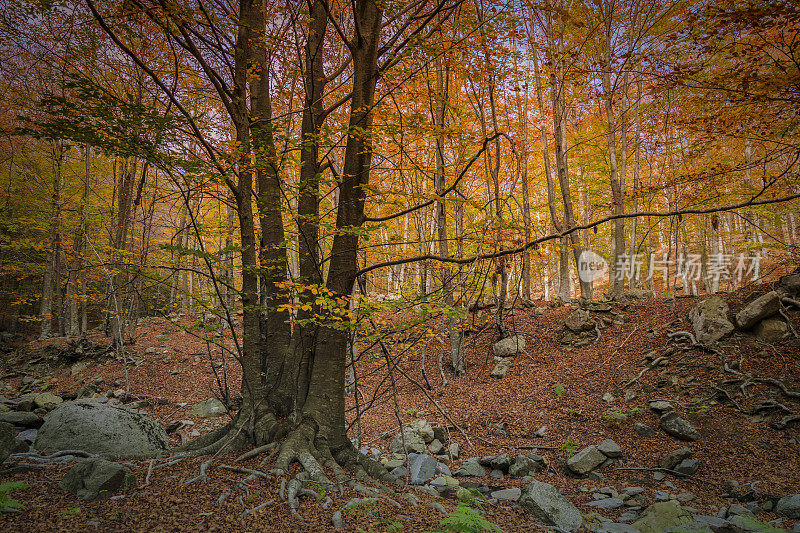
670, 460
398, 472
435, 447
512, 494
336, 520
607, 503
630, 395
470, 467
453, 450
439, 507
678, 427
525, 465
540, 433
687, 467
496, 474
501, 368
659, 476
21, 418
608, 397
96, 478
661, 516
643, 430
609, 448
210, 408
586, 460
509, 347
424, 429
47, 401
440, 434
502, 462
660, 406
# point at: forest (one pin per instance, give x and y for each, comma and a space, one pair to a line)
400, 265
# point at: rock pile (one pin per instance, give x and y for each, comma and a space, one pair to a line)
583, 326
505, 350
761, 316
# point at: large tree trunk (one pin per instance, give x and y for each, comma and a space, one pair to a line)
558, 84
54, 250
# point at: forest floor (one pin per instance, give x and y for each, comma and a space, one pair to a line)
548, 385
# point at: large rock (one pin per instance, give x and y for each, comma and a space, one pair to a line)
771, 330
96, 478
789, 285
102, 429
661, 516
209, 408
414, 442
586, 460
421, 468
789, 506
25, 419
580, 320
678, 427
509, 347
7, 441
710, 320
762, 307
548, 506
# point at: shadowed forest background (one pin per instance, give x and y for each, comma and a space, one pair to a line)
486, 219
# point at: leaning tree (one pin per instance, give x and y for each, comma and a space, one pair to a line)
293, 388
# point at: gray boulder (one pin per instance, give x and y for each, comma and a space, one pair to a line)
762, 307
771, 330
101, 429
96, 478
209, 408
470, 467
661, 516
678, 427
709, 320
548, 506
414, 443
789, 506
421, 468
7, 441
509, 347
609, 448
586, 460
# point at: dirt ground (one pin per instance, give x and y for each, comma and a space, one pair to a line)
548, 385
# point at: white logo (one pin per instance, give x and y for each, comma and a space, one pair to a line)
591, 266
